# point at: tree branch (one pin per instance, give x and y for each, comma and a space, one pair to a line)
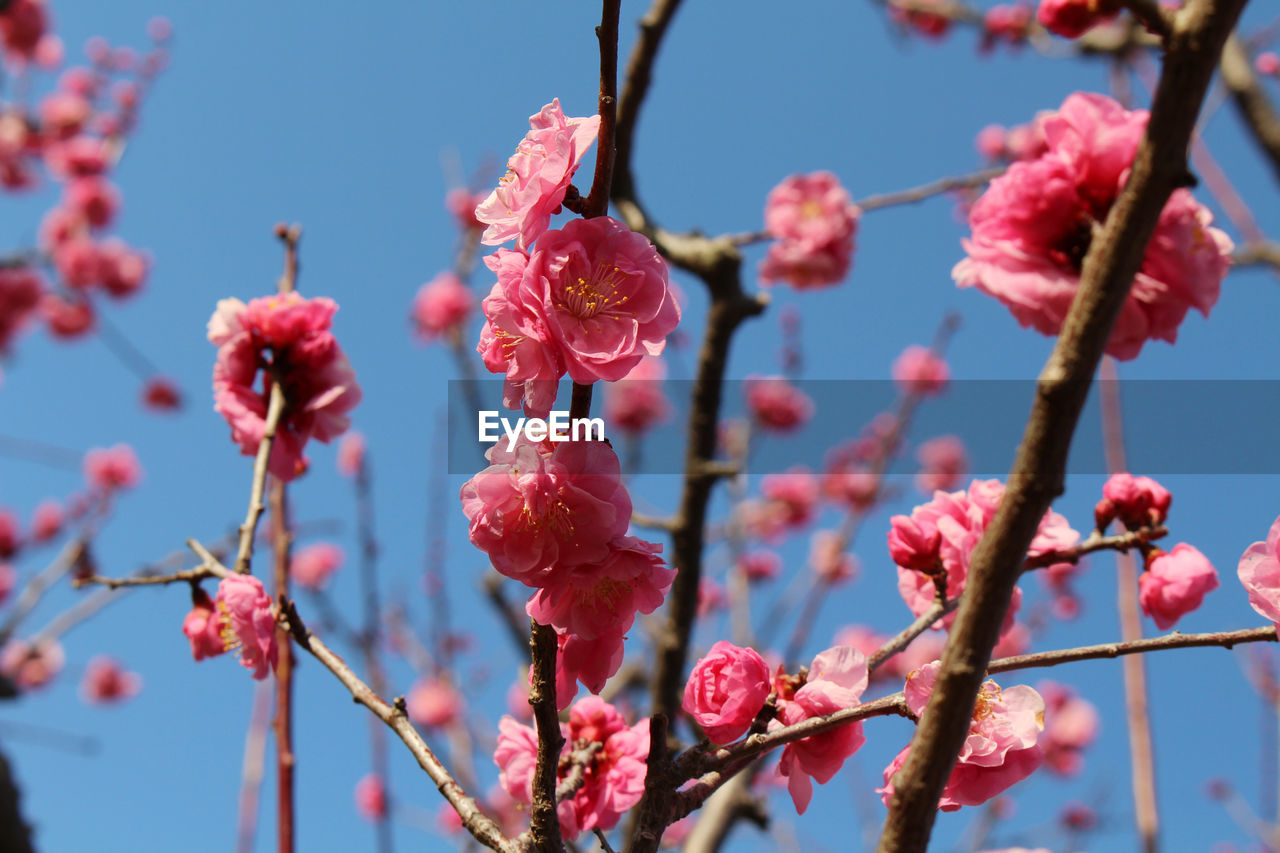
1251, 100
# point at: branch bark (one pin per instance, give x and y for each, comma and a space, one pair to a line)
1251, 100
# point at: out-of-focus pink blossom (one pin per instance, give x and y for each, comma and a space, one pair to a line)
1259, 571
795, 491
311, 566
1001, 749
538, 174
1073, 18
1077, 817
247, 619
1007, 23
867, 641
159, 29
10, 540
1033, 227
105, 681
776, 404
122, 270
518, 701
442, 306
462, 203
1175, 583
1015, 640
30, 667
93, 198
448, 821
46, 521
79, 156
78, 261
920, 371
20, 291
725, 691
814, 222
66, 318
203, 627
990, 142
830, 558
351, 451
371, 798
931, 25
161, 394
943, 463
1136, 501
712, 597
63, 114
760, 565
434, 703
637, 402
60, 225
1071, 724
1267, 64
112, 468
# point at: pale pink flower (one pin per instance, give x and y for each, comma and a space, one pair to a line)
518, 700
943, 463
923, 650
1136, 501
1033, 226
990, 142
247, 620
434, 703
311, 566
159, 29
725, 691
538, 174
776, 404
1001, 748
319, 385
1267, 64
637, 402
441, 306
539, 509
760, 565
830, 559
1073, 18
795, 492
112, 468
1071, 724
371, 798
105, 681
836, 680
1013, 641
30, 667
60, 225
920, 371
351, 451
1259, 571
1175, 583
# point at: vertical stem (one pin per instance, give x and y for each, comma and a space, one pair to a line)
597, 203
1141, 751
255, 747
282, 541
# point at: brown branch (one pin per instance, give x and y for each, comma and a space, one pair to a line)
921, 193
597, 203
275, 410
1038, 472
1266, 253
197, 574
1251, 99
35, 588
1174, 640
282, 541
1151, 15
577, 776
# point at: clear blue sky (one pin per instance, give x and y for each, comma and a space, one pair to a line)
339, 117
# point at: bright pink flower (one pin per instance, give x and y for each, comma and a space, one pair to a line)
538, 175
637, 402
943, 463
93, 198
60, 225
1071, 724
760, 565
1175, 583
726, 690
1073, 18
248, 621
1033, 226
814, 222
836, 680
64, 114
78, 261
442, 306
990, 142
112, 468
20, 291
462, 203
614, 776
351, 450
80, 156
795, 491
776, 404
1005, 23
1001, 748
850, 481
319, 385
105, 681
919, 371
30, 667
539, 509
311, 566
914, 545
161, 394
433, 703
589, 662
203, 627
371, 798
830, 558
1259, 571
1136, 501
1267, 64
46, 521
590, 600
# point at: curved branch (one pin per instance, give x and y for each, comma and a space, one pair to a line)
1251, 99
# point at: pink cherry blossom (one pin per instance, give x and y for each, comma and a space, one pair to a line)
1175, 583
1073, 18
351, 451
760, 565
20, 292
319, 385
1259, 571
867, 641
943, 463
1033, 226
589, 662
1267, 64
46, 521
538, 175
122, 270
248, 620
371, 798
712, 597
776, 404
93, 198
1005, 23
542, 508
203, 627
1071, 724
30, 667
161, 394
462, 203
311, 566
990, 142
931, 25
112, 468
78, 157
726, 690
64, 114
920, 371
835, 681
1001, 748
795, 491
814, 222
441, 307
105, 681
22, 24
78, 261
1136, 501
434, 703
637, 402
10, 541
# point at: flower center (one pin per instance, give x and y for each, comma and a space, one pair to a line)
597, 292
228, 635
1071, 247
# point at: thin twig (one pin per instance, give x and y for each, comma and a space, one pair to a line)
282, 542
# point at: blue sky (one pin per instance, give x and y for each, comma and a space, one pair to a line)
340, 118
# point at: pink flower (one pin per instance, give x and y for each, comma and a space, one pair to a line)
919, 371
814, 221
590, 600
637, 402
78, 261
795, 492
1071, 724
161, 395
830, 559
93, 198
248, 621
122, 270
441, 307
760, 565
80, 156
105, 682
64, 114
311, 566
462, 204
10, 541
1073, 18
351, 450
30, 667
1175, 583
1005, 23
433, 703
66, 319
112, 468
538, 175
539, 509
726, 690
592, 662
20, 291
914, 545
1001, 748
776, 404
203, 627
711, 597
1267, 64
1259, 571
319, 385
22, 25
836, 680
1136, 501
990, 142
932, 25
1033, 226
371, 798
943, 463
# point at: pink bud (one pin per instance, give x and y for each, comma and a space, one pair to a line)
726, 690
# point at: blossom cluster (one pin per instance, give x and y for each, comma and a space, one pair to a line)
240, 616
813, 222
